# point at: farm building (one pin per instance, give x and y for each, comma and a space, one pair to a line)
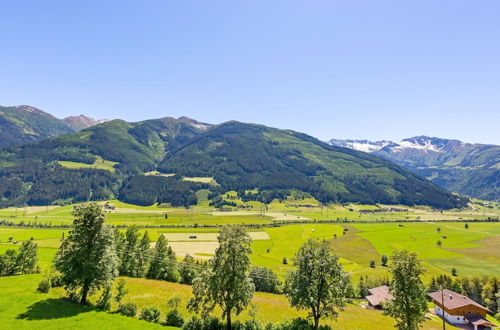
378, 295
459, 309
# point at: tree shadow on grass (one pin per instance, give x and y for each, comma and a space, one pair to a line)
53, 309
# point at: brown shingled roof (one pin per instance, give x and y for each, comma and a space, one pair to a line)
453, 300
378, 295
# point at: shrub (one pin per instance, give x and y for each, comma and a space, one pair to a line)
128, 309
104, 302
285, 261
174, 319
56, 281
193, 323
150, 314
44, 286
372, 263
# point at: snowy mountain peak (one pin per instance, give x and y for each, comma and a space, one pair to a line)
362, 145
421, 143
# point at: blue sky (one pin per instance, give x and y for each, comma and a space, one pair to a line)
332, 69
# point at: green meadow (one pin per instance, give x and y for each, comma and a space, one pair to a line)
23, 308
369, 232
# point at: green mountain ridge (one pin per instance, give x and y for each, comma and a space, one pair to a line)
239, 156
26, 124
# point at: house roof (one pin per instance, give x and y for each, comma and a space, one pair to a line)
480, 321
453, 300
378, 295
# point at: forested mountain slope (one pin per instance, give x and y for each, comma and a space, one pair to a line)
112, 159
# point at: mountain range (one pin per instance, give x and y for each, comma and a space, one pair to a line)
158, 161
466, 168
26, 124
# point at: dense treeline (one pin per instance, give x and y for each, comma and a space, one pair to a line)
148, 190
41, 184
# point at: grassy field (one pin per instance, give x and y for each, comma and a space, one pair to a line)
473, 251
99, 163
251, 213
23, 308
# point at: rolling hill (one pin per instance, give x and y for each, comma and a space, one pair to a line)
27, 124
465, 168
112, 158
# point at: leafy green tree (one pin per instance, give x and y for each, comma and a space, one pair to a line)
226, 281
490, 294
129, 262
265, 280
87, 258
104, 302
188, 270
144, 256
8, 265
172, 272
160, 263
409, 305
121, 291
318, 284
27, 257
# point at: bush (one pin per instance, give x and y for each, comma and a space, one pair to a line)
174, 319
56, 281
193, 323
128, 309
295, 324
44, 286
150, 314
208, 323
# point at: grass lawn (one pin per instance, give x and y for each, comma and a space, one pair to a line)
21, 307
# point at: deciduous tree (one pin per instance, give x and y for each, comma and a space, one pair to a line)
87, 258
225, 282
319, 284
409, 305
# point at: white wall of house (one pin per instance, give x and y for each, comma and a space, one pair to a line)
456, 319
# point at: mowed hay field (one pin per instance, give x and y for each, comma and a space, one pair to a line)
22, 307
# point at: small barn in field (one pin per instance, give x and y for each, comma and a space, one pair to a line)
459, 309
378, 295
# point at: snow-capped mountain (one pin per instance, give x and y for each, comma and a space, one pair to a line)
469, 169
361, 145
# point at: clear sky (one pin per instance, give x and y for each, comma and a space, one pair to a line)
370, 69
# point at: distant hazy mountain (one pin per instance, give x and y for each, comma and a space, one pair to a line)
77, 123
469, 169
27, 124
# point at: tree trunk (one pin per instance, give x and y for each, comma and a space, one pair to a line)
228, 319
85, 291
316, 322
